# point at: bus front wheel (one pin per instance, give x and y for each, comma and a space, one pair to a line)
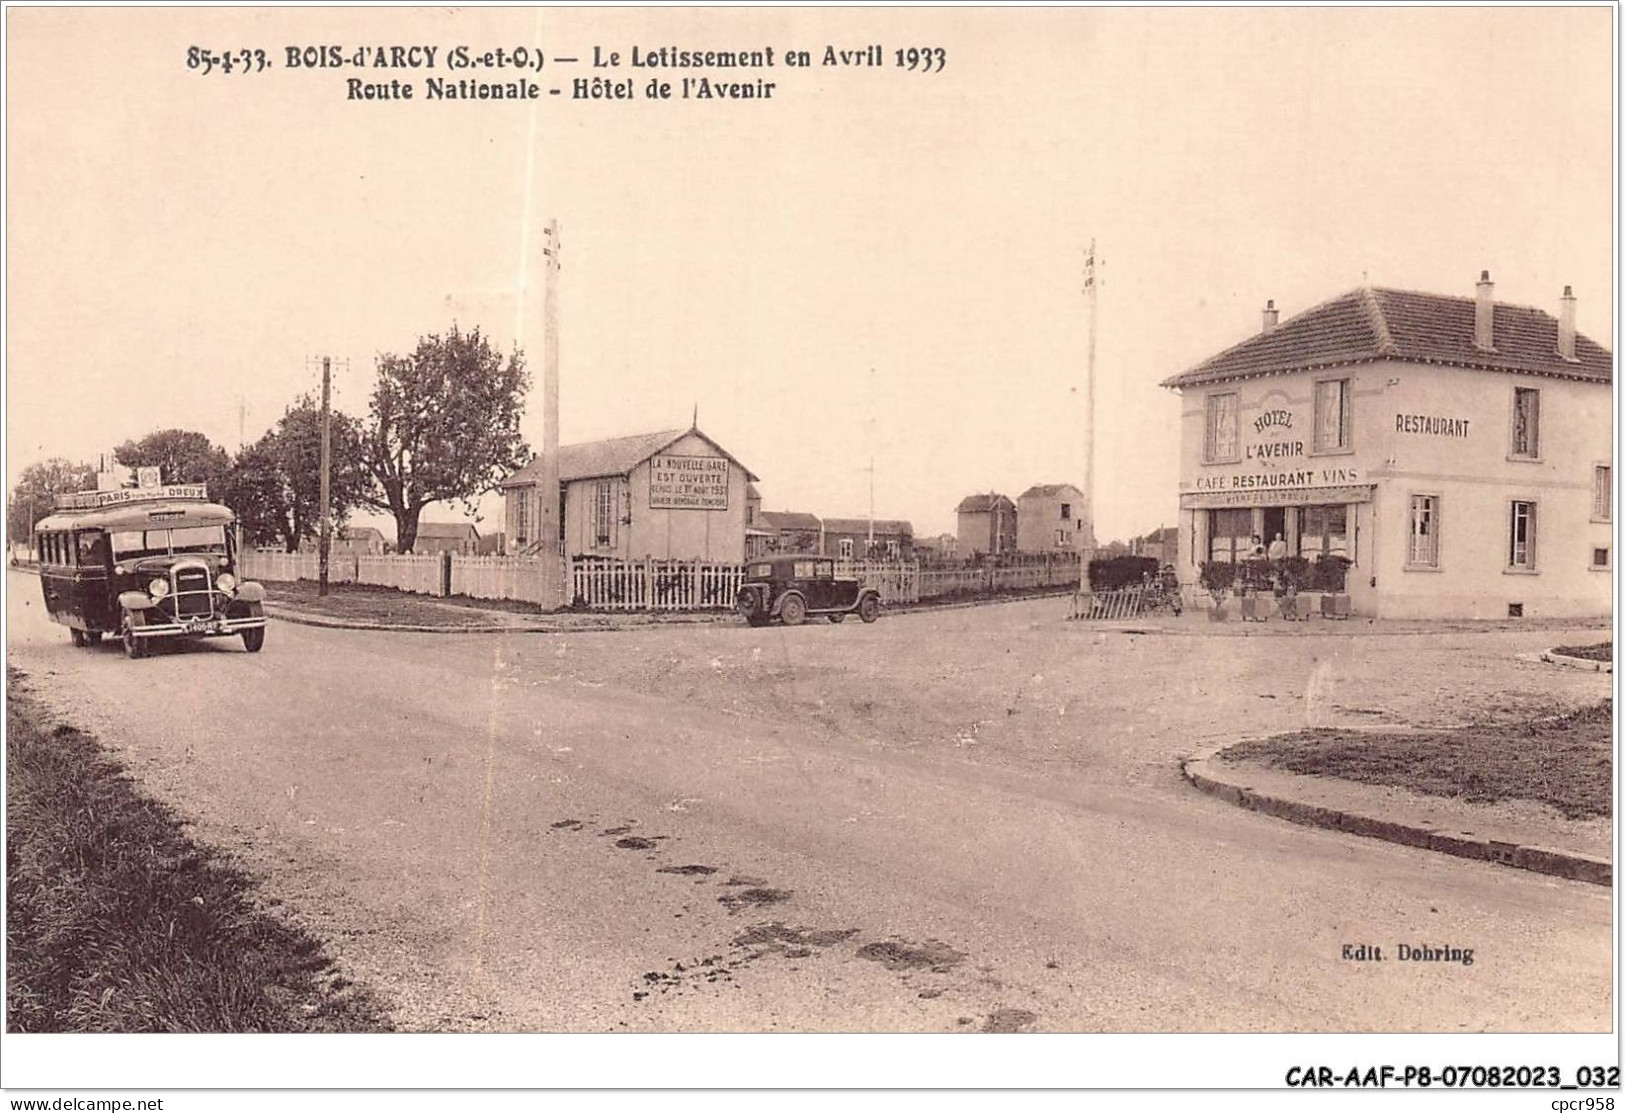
134, 648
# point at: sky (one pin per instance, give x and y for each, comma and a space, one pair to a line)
871, 264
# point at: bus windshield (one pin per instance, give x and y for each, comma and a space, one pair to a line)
164, 542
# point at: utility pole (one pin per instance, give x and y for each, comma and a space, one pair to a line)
1091, 291
547, 514
871, 503
868, 553
324, 543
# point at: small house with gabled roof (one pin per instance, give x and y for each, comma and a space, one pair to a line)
1457, 451
987, 524
670, 495
1053, 518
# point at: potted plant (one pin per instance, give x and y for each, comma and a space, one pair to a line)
1256, 577
1217, 578
1331, 578
1290, 578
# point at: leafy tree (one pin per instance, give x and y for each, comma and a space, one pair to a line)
257, 495
36, 492
275, 483
181, 456
443, 425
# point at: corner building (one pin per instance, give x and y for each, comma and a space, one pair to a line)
1457, 450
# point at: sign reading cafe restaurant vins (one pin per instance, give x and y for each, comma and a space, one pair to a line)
688, 482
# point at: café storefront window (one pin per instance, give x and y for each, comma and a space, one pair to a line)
1229, 534
1323, 531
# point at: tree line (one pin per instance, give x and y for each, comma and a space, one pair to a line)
442, 425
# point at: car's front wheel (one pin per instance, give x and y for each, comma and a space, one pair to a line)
793, 611
869, 608
254, 638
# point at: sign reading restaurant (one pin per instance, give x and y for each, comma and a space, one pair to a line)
688, 482
1303, 477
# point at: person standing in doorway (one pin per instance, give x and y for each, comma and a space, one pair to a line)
1278, 548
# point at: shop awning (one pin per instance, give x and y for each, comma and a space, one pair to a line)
1279, 496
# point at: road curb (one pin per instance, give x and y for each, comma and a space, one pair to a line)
1202, 772
1552, 656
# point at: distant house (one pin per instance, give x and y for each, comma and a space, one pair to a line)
987, 524
789, 531
1162, 545
758, 538
861, 538
1052, 517
351, 541
671, 495
447, 537
943, 548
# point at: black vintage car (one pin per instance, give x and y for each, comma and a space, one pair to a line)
145, 564
789, 588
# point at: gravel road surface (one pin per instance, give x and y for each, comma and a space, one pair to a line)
962, 820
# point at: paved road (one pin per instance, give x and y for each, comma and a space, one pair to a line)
946, 821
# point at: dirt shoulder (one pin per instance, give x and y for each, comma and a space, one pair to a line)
118, 922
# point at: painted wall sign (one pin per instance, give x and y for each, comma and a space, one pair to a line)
1302, 477
1299, 496
688, 483
1274, 450
1272, 419
1430, 426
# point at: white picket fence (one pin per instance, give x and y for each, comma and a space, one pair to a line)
1056, 571
648, 585
653, 585
285, 567
897, 581
404, 572
500, 577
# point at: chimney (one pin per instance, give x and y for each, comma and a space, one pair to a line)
1565, 324
1272, 316
1484, 323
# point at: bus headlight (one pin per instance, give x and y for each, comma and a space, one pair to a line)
158, 588
226, 583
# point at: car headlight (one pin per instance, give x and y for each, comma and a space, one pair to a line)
158, 588
226, 583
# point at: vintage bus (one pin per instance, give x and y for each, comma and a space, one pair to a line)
141, 564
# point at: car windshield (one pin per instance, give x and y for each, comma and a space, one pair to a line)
761, 570
164, 542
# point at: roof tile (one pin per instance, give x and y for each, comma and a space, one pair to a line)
1372, 323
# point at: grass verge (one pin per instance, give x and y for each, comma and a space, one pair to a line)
117, 922
370, 603
1565, 762
1602, 651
